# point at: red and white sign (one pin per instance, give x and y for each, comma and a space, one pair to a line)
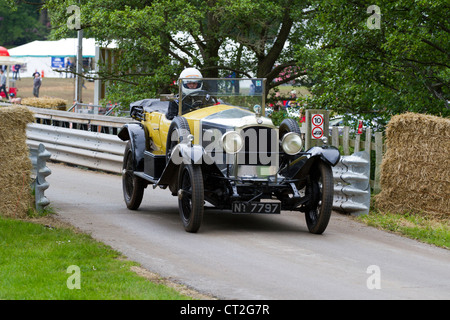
317, 133
317, 125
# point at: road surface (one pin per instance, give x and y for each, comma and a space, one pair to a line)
255, 257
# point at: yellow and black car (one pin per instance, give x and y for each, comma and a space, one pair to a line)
214, 145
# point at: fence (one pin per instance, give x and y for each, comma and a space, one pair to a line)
340, 138
84, 121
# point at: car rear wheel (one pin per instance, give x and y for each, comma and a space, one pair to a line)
191, 196
178, 132
320, 190
132, 186
288, 125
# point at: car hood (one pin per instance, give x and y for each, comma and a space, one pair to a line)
229, 116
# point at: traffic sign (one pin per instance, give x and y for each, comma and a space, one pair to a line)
317, 133
317, 125
317, 120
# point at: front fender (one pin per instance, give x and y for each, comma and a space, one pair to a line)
300, 167
330, 155
135, 133
188, 154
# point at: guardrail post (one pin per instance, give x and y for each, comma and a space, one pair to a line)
352, 184
39, 160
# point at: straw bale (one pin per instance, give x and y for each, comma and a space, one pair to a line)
415, 175
46, 103
15, 164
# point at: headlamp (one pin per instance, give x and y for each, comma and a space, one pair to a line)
292, 143
232, 142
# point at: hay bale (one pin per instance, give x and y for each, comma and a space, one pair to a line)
15, 164
46, 103
415, 175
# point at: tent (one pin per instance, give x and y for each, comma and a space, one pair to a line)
46, 57
8, 61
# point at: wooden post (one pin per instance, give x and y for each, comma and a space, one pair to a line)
346, 140
378, 160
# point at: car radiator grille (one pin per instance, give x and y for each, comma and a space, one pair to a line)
260, 146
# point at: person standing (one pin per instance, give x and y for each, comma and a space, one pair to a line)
36, 84
3, 83
17, 68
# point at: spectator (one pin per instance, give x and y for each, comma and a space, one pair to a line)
36, 84
14, 100
16, 70
3, 83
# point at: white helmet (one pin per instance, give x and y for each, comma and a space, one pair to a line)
193, 74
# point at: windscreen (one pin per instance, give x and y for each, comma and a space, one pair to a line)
205, 92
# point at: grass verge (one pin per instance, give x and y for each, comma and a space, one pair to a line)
36, 263
416, 226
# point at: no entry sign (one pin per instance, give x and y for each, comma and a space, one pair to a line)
317, 126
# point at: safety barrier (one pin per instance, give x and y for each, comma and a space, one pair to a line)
84, 148
39, 157
352, 184
83, 121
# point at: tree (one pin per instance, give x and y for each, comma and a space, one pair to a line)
402, 66
157, 39
22, 22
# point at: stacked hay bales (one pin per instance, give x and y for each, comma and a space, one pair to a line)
15, 164
415, 172
46, 103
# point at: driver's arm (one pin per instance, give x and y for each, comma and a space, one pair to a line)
172, 112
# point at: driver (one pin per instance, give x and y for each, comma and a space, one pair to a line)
192, 84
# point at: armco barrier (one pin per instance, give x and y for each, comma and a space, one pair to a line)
352, 184
84, 148
39, 159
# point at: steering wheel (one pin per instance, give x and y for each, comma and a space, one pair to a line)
204, 99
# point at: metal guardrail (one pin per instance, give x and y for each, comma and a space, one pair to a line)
93, 109
89, 149
85, 121
352, 184
39, 157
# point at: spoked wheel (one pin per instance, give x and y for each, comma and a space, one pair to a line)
320, 206
190, 197
133, 186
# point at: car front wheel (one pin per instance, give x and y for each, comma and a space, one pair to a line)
190, 197
133, 186
320, 189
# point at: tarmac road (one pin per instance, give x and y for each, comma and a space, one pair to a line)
254, 257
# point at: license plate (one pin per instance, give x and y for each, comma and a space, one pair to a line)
256, 207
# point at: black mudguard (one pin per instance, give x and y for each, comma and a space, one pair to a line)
300, 167
188, 154
135, 133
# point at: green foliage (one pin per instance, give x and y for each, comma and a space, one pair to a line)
403, 66
157, 39
20, 22
327, 46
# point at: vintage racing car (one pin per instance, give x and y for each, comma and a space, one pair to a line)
220, 149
